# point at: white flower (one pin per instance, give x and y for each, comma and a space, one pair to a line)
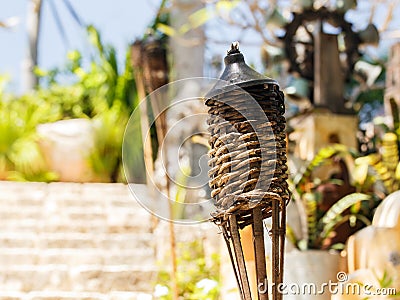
160, 290
207, 285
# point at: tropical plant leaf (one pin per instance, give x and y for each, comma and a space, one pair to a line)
397, 172
198, 18
323, 157
310, 203
97, 90
360, 172
333, 216
94, 38
291, 236
166, 29
374, 160
105, 157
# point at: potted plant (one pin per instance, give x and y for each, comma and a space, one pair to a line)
323, 213
93, 110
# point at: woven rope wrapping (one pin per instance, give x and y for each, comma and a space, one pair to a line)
247, 156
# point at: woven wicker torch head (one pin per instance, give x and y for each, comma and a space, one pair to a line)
248, 148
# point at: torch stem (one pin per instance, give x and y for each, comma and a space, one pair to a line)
275, 249
237, 246
227, 239
259, 253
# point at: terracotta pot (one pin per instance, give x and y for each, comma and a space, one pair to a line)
66, 146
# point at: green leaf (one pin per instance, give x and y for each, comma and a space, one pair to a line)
200, 17
333, 216
397, 172
323, 157
166, 29
94, 38
291, 236
360, 172
227, 5
338, 246
310, 202
40, 72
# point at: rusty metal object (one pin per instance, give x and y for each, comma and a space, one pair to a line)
248, 174
305, 65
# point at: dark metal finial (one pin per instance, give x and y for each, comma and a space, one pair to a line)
234, 48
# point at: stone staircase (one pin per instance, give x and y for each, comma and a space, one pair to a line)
74, 241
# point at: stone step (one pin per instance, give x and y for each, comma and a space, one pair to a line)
60, 201
38, 200
74, 241
62, 295
117, 241
112, 225
83, 278
75, 257
110, 216
8, 209
68, 194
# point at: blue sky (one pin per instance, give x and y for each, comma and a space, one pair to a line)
119, 22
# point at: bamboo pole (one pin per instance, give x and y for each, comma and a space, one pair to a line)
227, 239
162, 125
282, 235
237, 247
151, 64
275, 249
259, 252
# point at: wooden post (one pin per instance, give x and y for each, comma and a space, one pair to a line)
150, 66
136, 57
259, 252
392, 90
237, 247
329, 77
188, 49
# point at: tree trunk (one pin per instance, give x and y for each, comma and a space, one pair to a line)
187, 49
30, 80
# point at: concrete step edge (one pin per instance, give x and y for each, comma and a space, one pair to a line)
80, 268
139, 295
73, 251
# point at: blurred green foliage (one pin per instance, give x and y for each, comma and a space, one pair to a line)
197, 278
20, 156
96, 90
